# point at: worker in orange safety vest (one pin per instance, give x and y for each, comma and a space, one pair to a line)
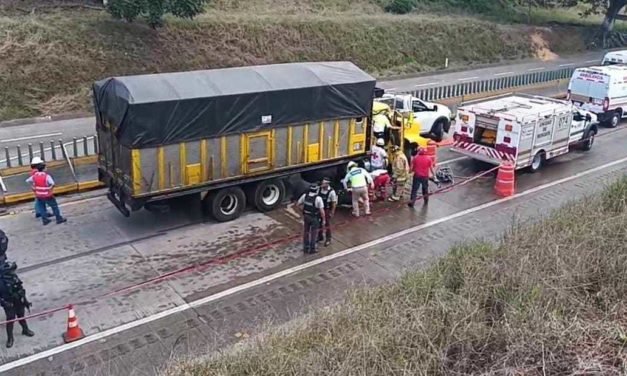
43, 185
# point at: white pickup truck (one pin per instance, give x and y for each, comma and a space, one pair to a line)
435, 119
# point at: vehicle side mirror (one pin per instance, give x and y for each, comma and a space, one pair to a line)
435, 107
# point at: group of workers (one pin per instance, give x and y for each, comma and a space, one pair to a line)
365, 185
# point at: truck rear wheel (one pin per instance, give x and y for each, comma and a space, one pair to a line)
268, 195
226, 204
614, 120
537, 162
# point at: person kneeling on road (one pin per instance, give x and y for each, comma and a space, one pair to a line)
329, 197
313, 217
43, 186
422, 166
359, 180
381, 182
13, 300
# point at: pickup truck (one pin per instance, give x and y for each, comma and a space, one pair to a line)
434, 119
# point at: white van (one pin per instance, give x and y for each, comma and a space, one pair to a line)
522, 129
615, 57
601, 90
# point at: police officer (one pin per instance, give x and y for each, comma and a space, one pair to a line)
13, 299
329, 197
4, 245
314, 217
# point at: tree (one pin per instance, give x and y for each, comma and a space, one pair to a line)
610, 8
154, 10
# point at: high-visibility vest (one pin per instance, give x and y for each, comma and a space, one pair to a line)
40, 181
357, 178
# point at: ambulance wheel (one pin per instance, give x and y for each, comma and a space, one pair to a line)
589, 141
268, 195
614, 120
226, 204
537, 162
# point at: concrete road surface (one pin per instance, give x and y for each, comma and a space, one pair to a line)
156, 286
11, 136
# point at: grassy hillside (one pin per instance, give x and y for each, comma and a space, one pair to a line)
49, 57
550, 298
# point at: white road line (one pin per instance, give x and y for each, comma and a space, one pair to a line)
32, 137
593, 61
503, 73
267, 279
566, 65
427, 84
536, 69
467, 78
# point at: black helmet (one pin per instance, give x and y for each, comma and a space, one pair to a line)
4, 242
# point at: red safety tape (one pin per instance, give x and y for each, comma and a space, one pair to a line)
44, 313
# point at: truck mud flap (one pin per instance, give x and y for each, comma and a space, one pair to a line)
118, 204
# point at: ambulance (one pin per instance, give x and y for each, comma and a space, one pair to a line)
615, 57
601, 90
521, 129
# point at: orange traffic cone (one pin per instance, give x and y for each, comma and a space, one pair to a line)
432, 151
74, 332
505, 180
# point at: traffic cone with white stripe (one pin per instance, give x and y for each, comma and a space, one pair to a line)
74, 332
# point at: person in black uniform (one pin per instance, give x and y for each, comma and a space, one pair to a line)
313, 217
4, 245
329, 197
13, 299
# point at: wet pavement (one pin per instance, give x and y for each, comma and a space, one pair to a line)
98, 252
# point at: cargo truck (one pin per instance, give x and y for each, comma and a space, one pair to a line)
232, 136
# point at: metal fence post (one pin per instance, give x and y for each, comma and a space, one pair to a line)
30, 151
42, 154
95, 144
53, 151
85, 146
75, 146
19, 156
63, 153
7, 156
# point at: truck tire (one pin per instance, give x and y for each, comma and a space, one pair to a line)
226, 204
268, 194
537, 162
614, 120
588, 140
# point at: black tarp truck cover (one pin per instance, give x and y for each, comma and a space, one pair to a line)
160, 109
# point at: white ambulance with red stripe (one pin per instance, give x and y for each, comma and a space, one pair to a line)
601, 90
522, 129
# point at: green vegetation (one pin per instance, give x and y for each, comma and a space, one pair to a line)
154, 10
51, 51
550, 298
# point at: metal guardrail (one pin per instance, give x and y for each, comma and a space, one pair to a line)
21, 155
88, 145
494, 84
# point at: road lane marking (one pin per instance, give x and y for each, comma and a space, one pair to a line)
32, 137
503, 73
592, 61
467, 78
267, 279
427, 84
536, 69
566, 65
453, 160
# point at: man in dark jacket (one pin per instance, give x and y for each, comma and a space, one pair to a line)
13, 300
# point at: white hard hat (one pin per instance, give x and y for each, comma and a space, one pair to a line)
351, 164
36, 161
380, 142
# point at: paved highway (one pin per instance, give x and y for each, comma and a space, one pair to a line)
11, 136
248, 271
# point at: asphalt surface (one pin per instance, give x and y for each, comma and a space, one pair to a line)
13, 135
224, 296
